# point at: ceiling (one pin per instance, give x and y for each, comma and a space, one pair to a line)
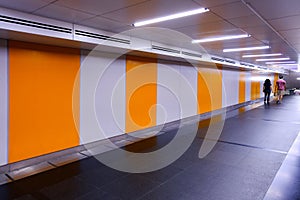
269, 22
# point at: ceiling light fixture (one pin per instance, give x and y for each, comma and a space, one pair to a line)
169, 17
285, 62
221, 38
262, 55
270, 59
246, 49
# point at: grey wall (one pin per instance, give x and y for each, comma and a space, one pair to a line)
291, 79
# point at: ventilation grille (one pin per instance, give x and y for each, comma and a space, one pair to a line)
23, 22
264, 68
247, 65
191, 54
101, 37
230, 61
217, 59
165, 49
244, 64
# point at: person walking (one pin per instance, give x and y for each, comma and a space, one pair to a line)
267, 90
280, 88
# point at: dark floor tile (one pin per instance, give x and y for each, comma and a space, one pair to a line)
98, 195
192, 183
238, 184
100, 176
25, 197
68, 189
130, 187
162, 175
167, 191
263, 163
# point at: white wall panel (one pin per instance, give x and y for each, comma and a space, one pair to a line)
110, 98
3, 102
102, 97
168, 92
188, 90
176, 92
262, 86
248, 86
231, 87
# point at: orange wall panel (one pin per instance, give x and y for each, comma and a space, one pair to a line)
276, 77
204, 97
242, 87
255, 86
209, 89
141, 93
41, 81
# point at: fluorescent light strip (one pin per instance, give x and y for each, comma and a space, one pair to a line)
169, 17
262, 55
270, 59
246, 49
285, 62
221, 38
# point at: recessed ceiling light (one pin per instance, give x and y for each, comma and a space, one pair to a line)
262, 55
270, 59
285, 62
169, 17
221, 38
246, 49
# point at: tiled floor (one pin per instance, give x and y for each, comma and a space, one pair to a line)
256, 157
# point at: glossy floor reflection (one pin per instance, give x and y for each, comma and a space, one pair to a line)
255, 157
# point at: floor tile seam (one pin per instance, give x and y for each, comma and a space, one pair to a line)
272, 120
161, 184
110, 182
93, 187
249, 146
77, 177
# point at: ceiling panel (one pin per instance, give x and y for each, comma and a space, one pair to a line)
232, 10
291, 34
262, 33
286, 23
295, 41
25, 6
274, 9
246, 21
59, 12
214, 28
159, 8
297, 47
98, 7
103, 24
212, 3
